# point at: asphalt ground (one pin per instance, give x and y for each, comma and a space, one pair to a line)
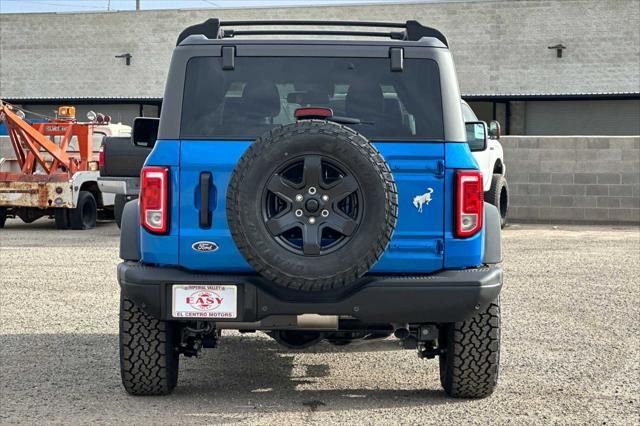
570, 345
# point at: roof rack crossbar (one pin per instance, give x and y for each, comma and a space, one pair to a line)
413, 30
314, 23
395, 35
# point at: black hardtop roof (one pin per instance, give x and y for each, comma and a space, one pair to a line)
408, 31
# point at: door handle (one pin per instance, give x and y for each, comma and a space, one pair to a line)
205, 188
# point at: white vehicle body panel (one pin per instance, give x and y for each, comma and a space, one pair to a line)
487, 158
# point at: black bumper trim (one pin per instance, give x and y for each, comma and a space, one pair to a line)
447, 296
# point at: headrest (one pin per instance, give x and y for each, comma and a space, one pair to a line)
233, 108
261, 98
364, 100
392, 108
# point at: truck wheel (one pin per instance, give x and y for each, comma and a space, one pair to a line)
470, 362
85, 214
498, 195
148, 357
312, 205
3, 216
61, 217
118, 206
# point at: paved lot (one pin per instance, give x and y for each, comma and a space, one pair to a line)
571, 345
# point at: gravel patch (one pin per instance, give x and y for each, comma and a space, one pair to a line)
570, 352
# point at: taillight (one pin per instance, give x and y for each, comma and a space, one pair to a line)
154, 194
101, 158
469, 202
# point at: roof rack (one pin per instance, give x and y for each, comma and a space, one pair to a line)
409, 31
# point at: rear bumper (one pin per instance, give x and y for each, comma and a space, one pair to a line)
447, 296
119, 185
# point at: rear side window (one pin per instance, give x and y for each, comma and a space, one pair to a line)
262, 92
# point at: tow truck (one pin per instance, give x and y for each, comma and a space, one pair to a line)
55, 168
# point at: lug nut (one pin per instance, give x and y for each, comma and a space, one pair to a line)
312, 220
325, 198
325, 213
298, 213
299, 197
312, 190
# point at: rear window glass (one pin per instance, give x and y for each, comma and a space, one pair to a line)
262, 92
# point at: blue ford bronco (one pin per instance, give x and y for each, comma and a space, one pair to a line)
317, 189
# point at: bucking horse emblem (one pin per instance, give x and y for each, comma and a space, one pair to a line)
420, 200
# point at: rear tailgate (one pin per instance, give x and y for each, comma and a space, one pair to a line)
417, 244
227, 104
122, 158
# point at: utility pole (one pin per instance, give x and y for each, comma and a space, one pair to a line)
137, 4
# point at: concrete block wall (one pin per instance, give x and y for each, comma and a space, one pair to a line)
573, 178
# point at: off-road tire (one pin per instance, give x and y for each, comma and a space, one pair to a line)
85, 214
148, 357
368, 243
3, 216
469, 366
118, 207
61, 217
498, 195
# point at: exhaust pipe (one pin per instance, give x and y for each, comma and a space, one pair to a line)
401, 331
285, 322
318, 321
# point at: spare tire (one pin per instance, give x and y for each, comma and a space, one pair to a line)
312, 205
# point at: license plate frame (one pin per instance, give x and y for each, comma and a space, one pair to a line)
204, 301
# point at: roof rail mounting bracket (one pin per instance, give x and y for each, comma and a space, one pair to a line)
397, 58
228, 57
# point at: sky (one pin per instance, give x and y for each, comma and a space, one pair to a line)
32, 6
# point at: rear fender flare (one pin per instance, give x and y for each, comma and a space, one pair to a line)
130, 232
492, 235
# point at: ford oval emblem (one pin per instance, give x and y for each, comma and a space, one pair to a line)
204, 246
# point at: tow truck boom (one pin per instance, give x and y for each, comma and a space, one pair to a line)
53, 167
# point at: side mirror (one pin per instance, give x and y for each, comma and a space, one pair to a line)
145, 131
494, 130
476, 135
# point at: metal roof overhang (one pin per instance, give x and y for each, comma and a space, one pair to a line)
85, 100
487, 97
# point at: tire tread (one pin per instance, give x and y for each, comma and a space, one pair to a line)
76, 220
470, 366
148, 362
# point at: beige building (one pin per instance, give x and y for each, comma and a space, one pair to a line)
506, 54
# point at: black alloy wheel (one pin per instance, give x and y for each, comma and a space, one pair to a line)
311, 206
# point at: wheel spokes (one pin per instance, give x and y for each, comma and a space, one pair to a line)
344, 225
282, 223
311, 240
343, 188
281, 187
312, 171
311, 206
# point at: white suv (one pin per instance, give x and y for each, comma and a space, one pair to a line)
487, 150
